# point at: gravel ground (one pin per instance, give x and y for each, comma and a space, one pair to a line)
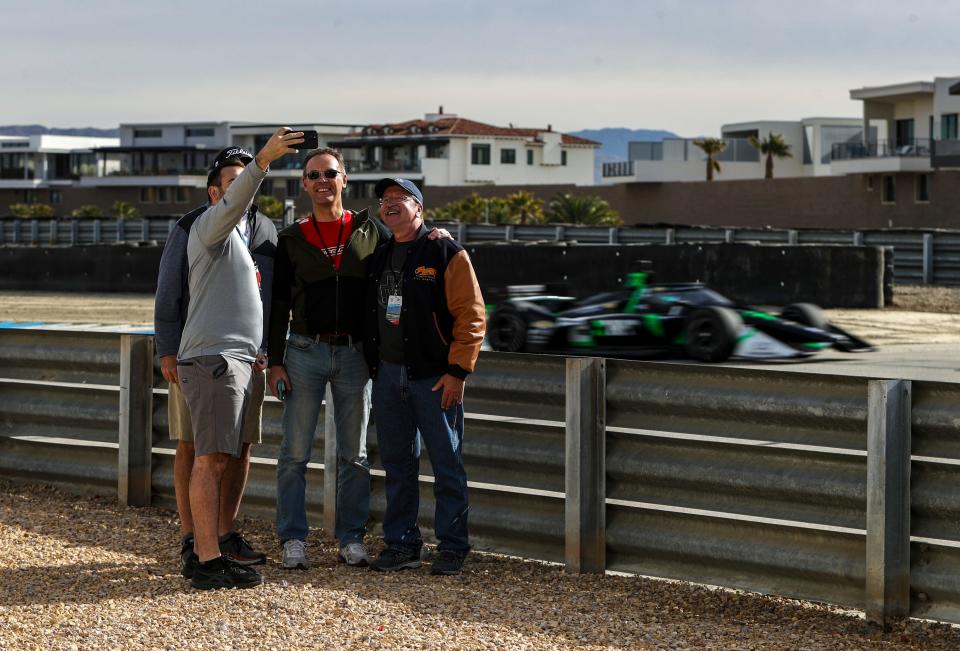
84, 573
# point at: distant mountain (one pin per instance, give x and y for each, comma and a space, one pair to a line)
614, 143
40, 130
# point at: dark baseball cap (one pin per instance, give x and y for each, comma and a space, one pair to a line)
406, 185
228, 156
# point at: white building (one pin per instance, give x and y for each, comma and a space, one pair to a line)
168, 161
444, 149
811, 142
31, 163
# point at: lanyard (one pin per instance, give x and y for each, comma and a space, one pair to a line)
326, 249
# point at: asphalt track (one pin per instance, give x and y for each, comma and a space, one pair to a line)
931, 362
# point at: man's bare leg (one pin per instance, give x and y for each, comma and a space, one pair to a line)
182, 467
205, 503
231, 489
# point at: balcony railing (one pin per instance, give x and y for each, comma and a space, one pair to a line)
357, 166
619, 168
916, 148
156, 171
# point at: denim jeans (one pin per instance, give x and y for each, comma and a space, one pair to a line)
401, 407
310, 366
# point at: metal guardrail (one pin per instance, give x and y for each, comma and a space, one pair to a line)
927, 257
824, 487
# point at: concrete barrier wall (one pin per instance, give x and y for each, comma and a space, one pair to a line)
831, 276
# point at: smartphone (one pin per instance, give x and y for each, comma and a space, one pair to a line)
310, 140
281, 389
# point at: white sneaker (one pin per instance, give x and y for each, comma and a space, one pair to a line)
354, 554
294, 555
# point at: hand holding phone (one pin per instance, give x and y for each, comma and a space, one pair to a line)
281, 389
310, 141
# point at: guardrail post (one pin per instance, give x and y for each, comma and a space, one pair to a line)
585, 517
16, 231
144, 230
670, 237
136, 420
858, 238
120, 234
559, 233
34, 231
74, 231
888, 500
792, 237
508, 232
613, 235
729, 235
927, 258
329, 464
461, 233
97, 229
54, 230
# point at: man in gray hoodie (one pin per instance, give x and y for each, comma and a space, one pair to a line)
219, 345
170, 313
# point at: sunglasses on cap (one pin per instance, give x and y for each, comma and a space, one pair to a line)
313, 175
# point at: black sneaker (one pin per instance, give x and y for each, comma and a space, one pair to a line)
188, 559
447, 562
238, 550
392, 559
223, 573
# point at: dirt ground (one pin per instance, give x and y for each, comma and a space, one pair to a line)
919, 314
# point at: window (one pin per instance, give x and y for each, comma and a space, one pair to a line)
183, 195
56, 197
13, 145
904, 133
480, 154
922, 188
266, 186
888, 190
436, 150
293, 188
146, 195
147, 133
563, 157
508, 156
163, 195
948, 126
199, 132
529, 157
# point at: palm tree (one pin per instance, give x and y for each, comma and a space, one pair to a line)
524, 208
586, 210
772, 145
711, 147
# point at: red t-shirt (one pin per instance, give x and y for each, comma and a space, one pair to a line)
324, 235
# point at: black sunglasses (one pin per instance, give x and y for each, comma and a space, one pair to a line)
313, 175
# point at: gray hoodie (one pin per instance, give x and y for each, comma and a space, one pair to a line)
225, 314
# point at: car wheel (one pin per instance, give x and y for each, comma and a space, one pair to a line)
806, 314
711, 333
508, 330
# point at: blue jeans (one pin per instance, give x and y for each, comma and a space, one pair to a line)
310, 366
401, 408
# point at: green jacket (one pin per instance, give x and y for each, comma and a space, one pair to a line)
309, 295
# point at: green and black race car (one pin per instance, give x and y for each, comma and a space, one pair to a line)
643, 318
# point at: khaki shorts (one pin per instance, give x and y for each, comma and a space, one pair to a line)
178, 415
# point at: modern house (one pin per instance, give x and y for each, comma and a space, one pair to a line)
157, 165
811, 142
443, 149
40, 168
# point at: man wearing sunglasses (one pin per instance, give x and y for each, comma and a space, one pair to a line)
320, 281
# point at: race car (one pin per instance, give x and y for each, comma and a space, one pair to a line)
675, 318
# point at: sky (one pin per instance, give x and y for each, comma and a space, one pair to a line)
687, 66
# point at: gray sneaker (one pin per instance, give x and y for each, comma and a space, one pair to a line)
354, 554
294, 555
